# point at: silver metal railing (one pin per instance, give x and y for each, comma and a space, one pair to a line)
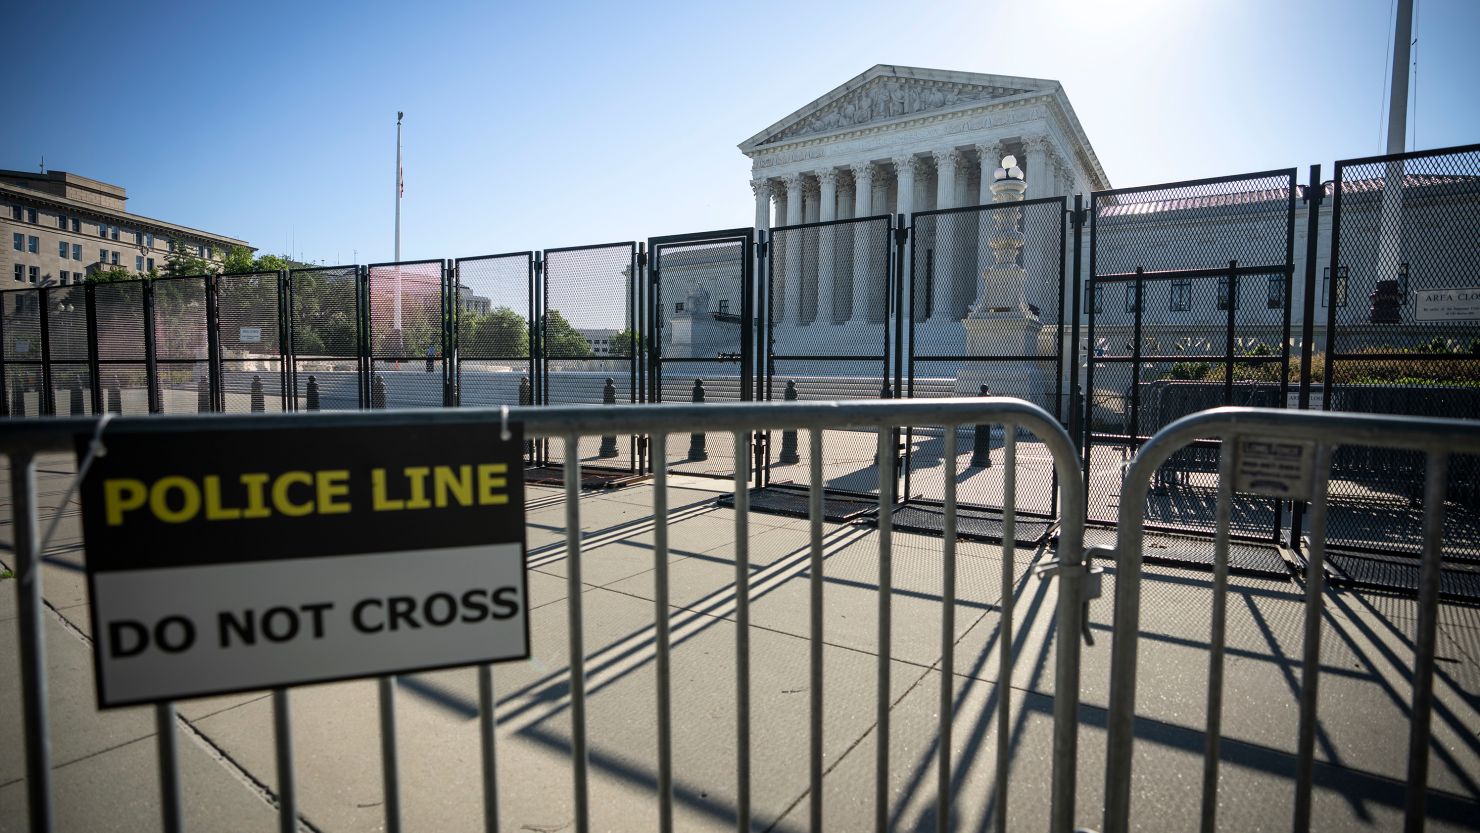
1438, 439
21, 441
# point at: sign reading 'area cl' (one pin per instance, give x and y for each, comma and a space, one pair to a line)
223, 561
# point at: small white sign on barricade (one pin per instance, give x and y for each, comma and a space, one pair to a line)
1457, 304
1278, 468
250, 335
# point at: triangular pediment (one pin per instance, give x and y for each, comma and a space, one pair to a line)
886, 93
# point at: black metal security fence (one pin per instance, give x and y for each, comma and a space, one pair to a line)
1188, 304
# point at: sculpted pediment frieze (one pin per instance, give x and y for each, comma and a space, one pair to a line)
883, 99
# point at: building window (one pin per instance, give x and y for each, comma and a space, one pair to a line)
62, 222
35, 274
1334, 295
62, 249
1276, 291
16, 213
724, 306
1099, 300
200, 251
30, 215
113, 232
76, 226
1132, 299
1181, 296
77, 251
1223, 299
678, 306
149, 239
102, 255
149, 264
115, 257
139, 263
20, 273
33, 244
103, 230
210, 251
20, 242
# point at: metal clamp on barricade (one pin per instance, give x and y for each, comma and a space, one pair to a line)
1091, 581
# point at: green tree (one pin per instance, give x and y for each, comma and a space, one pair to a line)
271, 263
238, 261
500, 333
180, 262
622, 342
561, 339
112, 274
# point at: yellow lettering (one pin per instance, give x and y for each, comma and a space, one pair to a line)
488, 485
417, 476
122, 495
280, 500
378, 501
214, 510
160, 506
333, 484
458, 481
256, 484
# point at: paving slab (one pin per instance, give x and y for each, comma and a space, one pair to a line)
118, 790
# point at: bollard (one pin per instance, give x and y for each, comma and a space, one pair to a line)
17, 403
203, 397
311, 395
377, 393
981, 449
259, 397
696, 441
78, 409
115, 400
526, 397
609, 397
789, 436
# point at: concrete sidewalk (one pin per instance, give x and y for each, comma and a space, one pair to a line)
105, 772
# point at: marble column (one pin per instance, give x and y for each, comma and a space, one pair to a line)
947, 237
792, 306
843, 249
1036, 172
762, 190
827, 244
905, 170
865, 245
811, 211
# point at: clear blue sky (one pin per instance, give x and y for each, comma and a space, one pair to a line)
533, 125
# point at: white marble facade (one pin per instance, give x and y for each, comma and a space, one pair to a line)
897, 140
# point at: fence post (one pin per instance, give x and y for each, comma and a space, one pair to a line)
1076, 419
1229, 342
46, 404
696, 440
526, 397
94, 367
311, 394
789, 454
259, 400
215, 388
151, 365
1315, 193
981, 448
609, 397
377, 393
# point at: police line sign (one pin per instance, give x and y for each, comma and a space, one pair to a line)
224, 561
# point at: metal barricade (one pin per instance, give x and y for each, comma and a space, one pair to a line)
21, 441
1319, 434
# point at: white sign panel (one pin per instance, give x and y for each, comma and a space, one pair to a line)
1317, 400
251, 335
1460, 304
1278, 468
232, 560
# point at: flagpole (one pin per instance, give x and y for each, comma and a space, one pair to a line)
397, 323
